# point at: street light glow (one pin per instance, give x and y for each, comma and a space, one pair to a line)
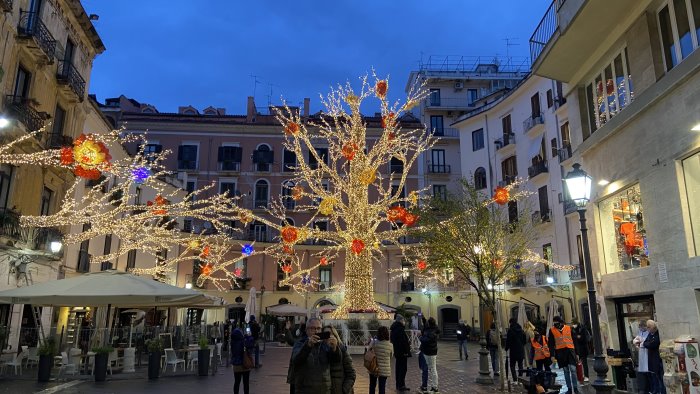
4, 122
489, 286
55, 246
696, 127
188, 285
550, 280
578, 183
603, 182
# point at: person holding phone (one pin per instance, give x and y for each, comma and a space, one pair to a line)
241, 344
311, 359
342, 372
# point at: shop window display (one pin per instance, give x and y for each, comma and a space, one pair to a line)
691, 174
623, 231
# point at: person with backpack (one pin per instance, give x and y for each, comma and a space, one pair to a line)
492, 339
429, 346
383, 351
463, 332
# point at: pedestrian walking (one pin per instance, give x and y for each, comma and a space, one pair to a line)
342, 372
656, 367
402, 351
463, 332
540, 350
227, 343
255, 332
561, 344
529, 329
383, 350
515, 345
241, 347
492, 339
582, 337
429, 346
312, 357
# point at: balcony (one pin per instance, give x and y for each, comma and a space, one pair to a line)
538, 168
54, 140
516, 283
40, 43
565, 40
577, 274
446, 132
45, 236
439, 168
505, 141
530, 124
9, 223
258, 236
447, 103
542, 216
507, 180
541, 278
70, 80
559, 102
564, 153
6, 5
21, 108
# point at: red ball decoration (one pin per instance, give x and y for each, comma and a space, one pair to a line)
324, 261
205, 251
289, 234
206, 270
410, 219
238, 272
388, 119
501, 196
291, 128
288, 249
349, 150
67, 155
422, 265
380, 88
396, 213
357, 246
287, 268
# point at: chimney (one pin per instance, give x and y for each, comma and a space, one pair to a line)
307, 101
250, 110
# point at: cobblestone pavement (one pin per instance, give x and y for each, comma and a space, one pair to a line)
455, 376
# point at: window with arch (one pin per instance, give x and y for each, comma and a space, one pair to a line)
289, 202
190, 111
262, 191
259, 232
480, 178
263, 158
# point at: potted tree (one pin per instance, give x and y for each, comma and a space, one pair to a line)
155, 350
46, 351
101, 360
203, 356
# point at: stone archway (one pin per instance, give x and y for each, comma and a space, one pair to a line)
448, 319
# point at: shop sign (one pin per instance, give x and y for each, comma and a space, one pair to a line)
692, 366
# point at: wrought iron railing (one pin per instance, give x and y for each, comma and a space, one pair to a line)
45, 236
533, 121
544, 32
68, 74
6, 5
517, 282
577, 273
564, 153
446, 132
541, 278
439, 169
9, 223
537, 169
30, 25
55, 140
504, 141
21, 109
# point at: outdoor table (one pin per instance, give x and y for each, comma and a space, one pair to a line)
85, 360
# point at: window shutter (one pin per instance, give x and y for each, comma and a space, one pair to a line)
236, 154
269, 157
257, 155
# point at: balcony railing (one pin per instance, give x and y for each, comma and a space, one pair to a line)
21, 109
31, 26
507, 180
577, 273
542, 216
47, 235
537, 169
505, 141
258, 236
261, 204
54, 140
439, 169
532, 121
67, 74
446, 132
541, 278
9, 223
564, 153
439, 102
558, 102
517, 282
544, 32
6, 5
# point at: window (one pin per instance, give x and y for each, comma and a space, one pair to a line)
512, 211
131, 260
472, 96
436, 125
679, 28
609, 92
396, 165
623, 230
554, 147
550, 98
322, 154
152, 149
187, 225
83, 255
230, 158
477, 140
691, 173
288, 201
535, 105
480, 178
402, 195
46, 197
509, 169
507, 129
325, 277
190, 187
547, 255
241, 265
440, 192
438, 162
22, 83
263, 157
259, 232
227, 186
107, 265
407, 278
5, 181
187, 157
261, 194
565, 135
544, 203
320, 225
434, 97
290, 161
59, 119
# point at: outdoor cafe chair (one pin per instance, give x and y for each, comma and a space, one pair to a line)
219, 347
171, 359
17, 361
32, 357
192, 359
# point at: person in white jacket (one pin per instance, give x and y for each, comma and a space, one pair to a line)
638, 342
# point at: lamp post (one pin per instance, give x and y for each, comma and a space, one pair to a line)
578, 184
430, 301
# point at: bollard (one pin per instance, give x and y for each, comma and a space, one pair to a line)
484, 373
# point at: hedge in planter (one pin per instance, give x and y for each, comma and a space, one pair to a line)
155, 350
47, 351
101, 361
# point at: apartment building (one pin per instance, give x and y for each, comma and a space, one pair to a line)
631, 73
45, 65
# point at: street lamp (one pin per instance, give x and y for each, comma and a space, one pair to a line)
578, 184
4, 122
430, 301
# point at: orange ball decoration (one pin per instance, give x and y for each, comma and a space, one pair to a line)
421, 265
297, 193
292, 128
324, 261
501, 196
396, 213
388, 119
288, 249
357, 246
380, 88
67, 155
410, 219
287, 268
206, 270
349, 150
289, 234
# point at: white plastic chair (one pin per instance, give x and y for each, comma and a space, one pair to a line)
113, 358
17, 361
192, 359
171, 359
67, 365
32, 357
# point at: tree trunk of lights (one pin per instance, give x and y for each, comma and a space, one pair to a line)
359, 284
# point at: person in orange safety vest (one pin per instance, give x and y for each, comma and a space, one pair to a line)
540, 351
561, 344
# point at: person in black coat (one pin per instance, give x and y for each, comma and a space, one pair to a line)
402, 351
515, 344
656, 366
582, 338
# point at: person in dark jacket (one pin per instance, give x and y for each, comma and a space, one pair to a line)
561, 345
492, 338
429, 347
656, 366
463, 332
402, 351
582, 337
312, 358
342, 372
241, 344
255, 332
515, 344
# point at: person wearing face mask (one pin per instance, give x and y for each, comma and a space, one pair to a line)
561, 344
656, 367
581, 339
540, 351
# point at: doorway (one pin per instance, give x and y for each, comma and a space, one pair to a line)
448, 316
629, 312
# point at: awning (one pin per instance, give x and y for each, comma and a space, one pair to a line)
536, 147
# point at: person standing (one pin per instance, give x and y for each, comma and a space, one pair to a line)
429, 346
582, 337
492, 339
240, 344
342, 372
402, 351
383, 350
540, 350
643, 379
312, 358
463, 332
227, 342
560, 338
656, 366
529, 329
255, 332
515, 343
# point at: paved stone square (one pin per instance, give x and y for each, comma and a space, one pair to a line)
455, 376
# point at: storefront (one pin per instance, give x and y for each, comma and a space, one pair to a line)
630, 312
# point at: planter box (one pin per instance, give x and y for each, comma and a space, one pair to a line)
154, 365
203, 361
101, 360
44, 369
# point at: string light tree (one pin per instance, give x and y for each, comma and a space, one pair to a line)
348, 190
481, 240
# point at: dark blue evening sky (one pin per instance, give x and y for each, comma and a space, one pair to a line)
202, 52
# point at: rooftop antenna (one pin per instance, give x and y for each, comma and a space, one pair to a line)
269, 96
510, 42
255, 83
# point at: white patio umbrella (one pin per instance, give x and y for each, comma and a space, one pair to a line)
522, 314
250, 306
291, 310
553, 310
